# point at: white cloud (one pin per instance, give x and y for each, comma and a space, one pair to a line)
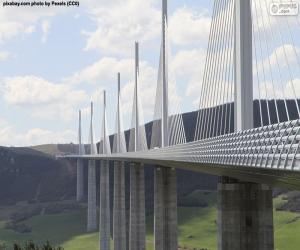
280, 54
4, 55
269, 90
120, 23
47, 100
103, 71
19, 21
46, 25
31, 90
35, 136
188, 67
292, 89
188, 26
29, 29
10, 29
284, 56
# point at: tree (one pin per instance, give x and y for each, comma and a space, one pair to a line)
32, 246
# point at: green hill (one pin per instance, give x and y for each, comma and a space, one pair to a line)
197, 225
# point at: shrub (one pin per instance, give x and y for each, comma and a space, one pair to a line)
3, 247
32, 246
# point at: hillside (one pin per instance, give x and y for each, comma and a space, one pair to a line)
29, 175
32, 176
197, 224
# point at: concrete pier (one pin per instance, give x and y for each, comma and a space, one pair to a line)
245, 210
119, 215
80, 181
245, 216
92, 208
165, 209
104, 227
137, 227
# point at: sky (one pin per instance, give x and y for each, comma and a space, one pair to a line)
55, 61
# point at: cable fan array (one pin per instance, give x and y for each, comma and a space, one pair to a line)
276, 81
276, 64
217, 91
137, 123
119, 143
81, 148
104, 146
92, 143
176, 133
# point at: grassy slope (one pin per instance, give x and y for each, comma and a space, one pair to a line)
50, 149
197, 229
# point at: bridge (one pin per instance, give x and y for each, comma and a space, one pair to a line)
248, 160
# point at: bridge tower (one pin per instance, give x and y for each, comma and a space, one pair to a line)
119, 212
80, 175
165, 180
92, 207
245, 210
137, 224
104, 148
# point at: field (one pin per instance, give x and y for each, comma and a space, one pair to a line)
197, 227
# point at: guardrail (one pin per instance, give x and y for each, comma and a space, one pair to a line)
274, 147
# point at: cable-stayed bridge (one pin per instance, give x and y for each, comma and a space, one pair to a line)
249, 161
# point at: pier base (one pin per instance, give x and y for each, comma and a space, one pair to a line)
104, 227
137, 230
119, 213
80, 181
245, 216
165, 209
92, 207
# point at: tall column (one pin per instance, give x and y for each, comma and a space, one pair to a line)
104, 148
119, 215
92, 208
137, 233
165, 92
119, 211
137, 221
80, 181
243, 66
245, 210
165, 209
104, 206
165, 187
80, 176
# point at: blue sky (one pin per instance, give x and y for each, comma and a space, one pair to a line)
54, 61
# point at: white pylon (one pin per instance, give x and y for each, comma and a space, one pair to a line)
105, 144
81, 148
93, 147
165, 96
136, 135
243, 66
119, 145
92, 207
80, 175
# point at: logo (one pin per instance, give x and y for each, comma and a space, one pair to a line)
284, 9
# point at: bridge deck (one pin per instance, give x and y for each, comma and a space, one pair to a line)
268, 154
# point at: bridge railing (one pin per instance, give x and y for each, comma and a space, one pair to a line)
271, 147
